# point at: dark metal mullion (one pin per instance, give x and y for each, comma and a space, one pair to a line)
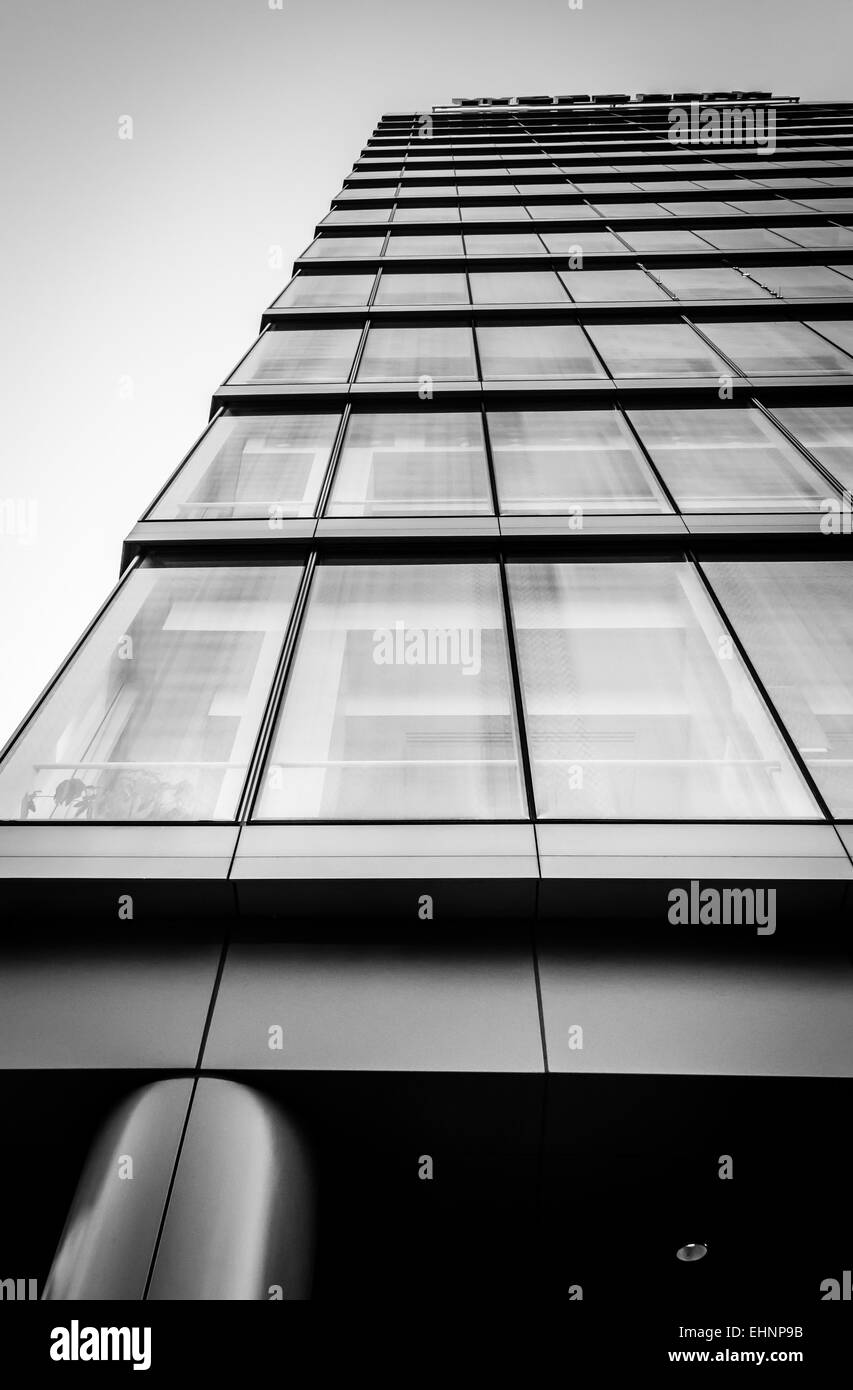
518, 693
582, 326
801, 448
735, 370
334, 457
635, 435
490, 463
826, 339
359, 351
266, 728
729, 627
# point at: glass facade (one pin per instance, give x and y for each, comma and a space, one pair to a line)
542, 487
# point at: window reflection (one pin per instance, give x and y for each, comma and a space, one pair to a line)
655, 349
796, 623
827, 433
563, 462
399, 705
252, 466
630, 710
300, 354
442, 352
156, 717
768, 349
322, 290
536, 350
424, 464
728, 460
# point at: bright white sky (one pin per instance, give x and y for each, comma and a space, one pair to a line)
149, 259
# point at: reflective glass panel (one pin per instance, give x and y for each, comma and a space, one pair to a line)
417, 464
728, 460
655, 349
630, 712
252, 466
155, 718
827, 433
796, 623
300, 354
443, 352
610, 285
395, 288
569, 462
765, 349
399, 704
348, 247
536, 350
516, 287
326, 290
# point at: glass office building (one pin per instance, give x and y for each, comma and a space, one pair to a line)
506, 597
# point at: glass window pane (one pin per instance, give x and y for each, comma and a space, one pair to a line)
536, 350
348, 247
341, 216
438, 214
563, 212
300, 354
517, 287
418, 247
506, 212
745, 239
630, 711
636, 210
326, 290
655, 349
802, 281
768, 207
502, 244
827, 433
395, 288
838, 331
818, 236
728, 460
155, 719
615, 285
424, 464
680, 240
249, 466
699, 207
796, 624
443, 352
583, 243
433, 190
399, 704
710, 282
762, 349
569, 462
827, 205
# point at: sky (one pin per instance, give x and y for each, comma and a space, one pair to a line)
134, 271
